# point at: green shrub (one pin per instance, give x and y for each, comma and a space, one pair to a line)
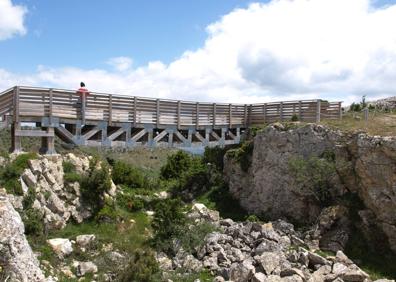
193, 238
9, 175
314, 176
130, 202
68, 167
33, 222
294, 118
29, 199
94, 185
108, 213
72, 177
253, 218
168, 224
243, 154
175, 165
126, 174
214, 156
143, 267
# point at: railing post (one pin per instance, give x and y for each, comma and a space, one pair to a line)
83, 101
16, 126
214, 114
134, 111
281, 111
340, 110
110, 109
318, 110
264, 112
197, 115
51, 101
250, 115
245, 116
178, 114
300, 110
158, 113
230, 115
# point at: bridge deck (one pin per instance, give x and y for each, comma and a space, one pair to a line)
116, 120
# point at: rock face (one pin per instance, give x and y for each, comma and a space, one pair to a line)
365, 166
57, 200
17, 260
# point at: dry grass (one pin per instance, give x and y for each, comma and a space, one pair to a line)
383, 124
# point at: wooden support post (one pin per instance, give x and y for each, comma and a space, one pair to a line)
265, 113
178, 114
300, 110
83, 101
281, 111
150, 137
158, 113
249, 115
50, 109
230, 115
318, 110
170, 139
245, 116
197, 115
134, 111
214, 115
340, 109
110, 109
48, 142
16, 126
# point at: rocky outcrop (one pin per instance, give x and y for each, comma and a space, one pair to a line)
365, 166
252, 251
17, 261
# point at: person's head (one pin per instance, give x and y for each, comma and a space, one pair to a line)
82, 84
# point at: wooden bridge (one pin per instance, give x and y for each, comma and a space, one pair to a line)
124, 121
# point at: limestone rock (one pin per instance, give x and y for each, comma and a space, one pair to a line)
86, 267
85, 240
62, 247
16, 257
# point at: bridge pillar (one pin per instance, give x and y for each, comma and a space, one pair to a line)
48, 142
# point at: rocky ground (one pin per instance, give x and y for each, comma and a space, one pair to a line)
258, 252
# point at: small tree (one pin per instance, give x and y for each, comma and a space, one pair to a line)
175, 165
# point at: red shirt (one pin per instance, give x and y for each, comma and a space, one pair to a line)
83, 91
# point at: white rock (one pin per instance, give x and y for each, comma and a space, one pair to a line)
29, 178
85, 240
86, 267
62, 247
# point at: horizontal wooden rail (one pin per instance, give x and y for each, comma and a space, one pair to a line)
32, 102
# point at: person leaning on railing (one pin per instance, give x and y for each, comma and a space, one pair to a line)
82, 99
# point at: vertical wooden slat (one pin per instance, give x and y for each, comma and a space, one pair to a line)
214, 114
281, 111
16, 104
318, 111
178, 114
230, 115
250, 115
197, 115
134, 111
110, 109
300, 110
51, 101
340, 110
265, 113
245, 115
158, 113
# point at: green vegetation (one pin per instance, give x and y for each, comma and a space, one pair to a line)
127, 175
243, 154
71, 175
9, 175
176, 164
142, 267
314, 176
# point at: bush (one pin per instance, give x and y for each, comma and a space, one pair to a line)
314, 176
294, 118
130, 202
143, 267
175, 165
71, 175
9, 175
243, 154
108, 213
94, 185
127, 175
168, 224
193, 238
214, 156
33, 222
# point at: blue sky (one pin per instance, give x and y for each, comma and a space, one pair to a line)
86, 33
208, 50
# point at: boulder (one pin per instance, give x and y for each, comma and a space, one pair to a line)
85, 240
241, 272
29, 178
83, 268
62, 247
269, 261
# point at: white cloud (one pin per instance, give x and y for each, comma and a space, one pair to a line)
120, 63
11, 19
281, 50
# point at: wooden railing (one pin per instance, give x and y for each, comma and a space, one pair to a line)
44, 102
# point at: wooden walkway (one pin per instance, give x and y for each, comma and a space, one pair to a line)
124, 121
